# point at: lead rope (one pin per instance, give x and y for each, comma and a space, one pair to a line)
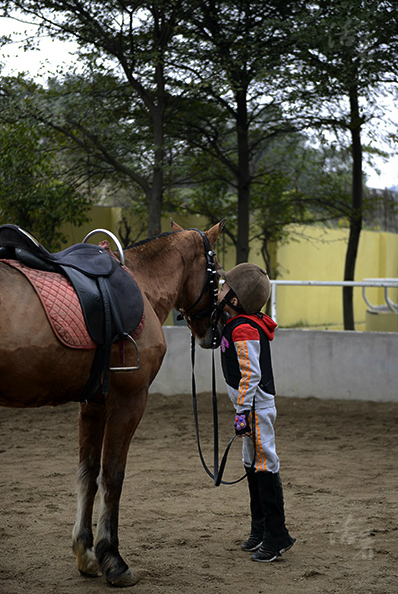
218, 471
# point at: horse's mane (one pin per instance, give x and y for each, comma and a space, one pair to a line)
149, 239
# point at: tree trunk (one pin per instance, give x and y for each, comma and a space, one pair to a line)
155, 198
356, 211
243, 175
156, 195
155, 206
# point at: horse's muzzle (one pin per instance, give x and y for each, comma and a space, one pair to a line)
212, 338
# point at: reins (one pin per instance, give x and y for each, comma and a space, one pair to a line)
210, 285
218, 470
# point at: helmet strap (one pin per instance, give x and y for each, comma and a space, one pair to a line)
219, 313
227, 301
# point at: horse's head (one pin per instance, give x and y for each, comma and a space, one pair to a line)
198, 299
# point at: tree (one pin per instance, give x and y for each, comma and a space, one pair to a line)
234, 51
127, 43
297, 184
346, 49
204, 87
294, 184
34, 192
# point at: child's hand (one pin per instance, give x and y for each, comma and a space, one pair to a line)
242, 424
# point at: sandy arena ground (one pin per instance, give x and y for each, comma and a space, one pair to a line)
178, 532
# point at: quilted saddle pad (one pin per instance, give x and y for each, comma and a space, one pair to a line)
61, 305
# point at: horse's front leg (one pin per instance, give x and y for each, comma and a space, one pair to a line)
122, 421
91, 434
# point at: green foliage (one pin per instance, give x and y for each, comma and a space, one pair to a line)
296, 184
345, 50
197, 105
31, 194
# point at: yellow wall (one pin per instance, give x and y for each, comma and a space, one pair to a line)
312, 254
320, 255
108, 217
101, 217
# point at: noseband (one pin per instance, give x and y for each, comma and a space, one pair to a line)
210, 286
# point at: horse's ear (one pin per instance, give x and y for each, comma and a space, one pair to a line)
214, 232
174, 226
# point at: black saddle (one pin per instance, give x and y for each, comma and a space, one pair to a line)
111, 301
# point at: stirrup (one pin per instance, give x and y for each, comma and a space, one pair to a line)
125, 367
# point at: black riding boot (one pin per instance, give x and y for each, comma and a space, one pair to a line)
276, 538
257, 517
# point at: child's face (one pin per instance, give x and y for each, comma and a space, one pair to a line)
225, 288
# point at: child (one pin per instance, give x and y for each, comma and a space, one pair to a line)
247, 368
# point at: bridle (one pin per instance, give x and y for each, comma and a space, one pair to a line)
213, 311
210, 286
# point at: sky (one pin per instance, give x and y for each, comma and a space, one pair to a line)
40, 63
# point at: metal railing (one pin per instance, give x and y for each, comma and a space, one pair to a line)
385, 283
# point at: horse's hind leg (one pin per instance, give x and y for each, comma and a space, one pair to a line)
122, 420
91, 433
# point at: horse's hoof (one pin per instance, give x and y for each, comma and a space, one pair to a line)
87, 563
89, 575
124, 580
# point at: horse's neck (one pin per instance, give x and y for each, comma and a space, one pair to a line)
160, 271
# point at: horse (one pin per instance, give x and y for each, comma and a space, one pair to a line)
36, 369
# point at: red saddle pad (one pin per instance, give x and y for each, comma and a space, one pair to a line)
61, 305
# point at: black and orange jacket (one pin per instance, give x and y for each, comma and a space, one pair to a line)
246, 360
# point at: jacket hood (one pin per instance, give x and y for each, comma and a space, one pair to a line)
265, 322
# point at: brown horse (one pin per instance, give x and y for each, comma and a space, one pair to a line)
36, 370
